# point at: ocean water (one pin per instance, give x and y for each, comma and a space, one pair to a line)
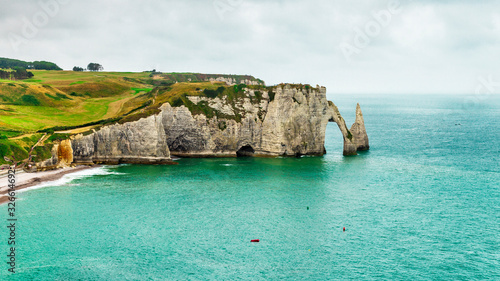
422, 204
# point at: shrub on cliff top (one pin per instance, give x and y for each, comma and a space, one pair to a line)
271, 95
30, 100
43, 152
239, 88
9, 148
214, 93
58, 137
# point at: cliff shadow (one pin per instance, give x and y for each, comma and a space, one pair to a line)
245, 151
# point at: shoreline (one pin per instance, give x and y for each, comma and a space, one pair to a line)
26, 180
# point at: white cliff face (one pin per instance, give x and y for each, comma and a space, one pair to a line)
229, 81
293, 123
142, 141
218, 104
249, 82
232, 81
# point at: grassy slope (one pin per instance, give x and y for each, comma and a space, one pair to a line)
63, 98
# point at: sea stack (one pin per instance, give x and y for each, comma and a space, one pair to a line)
358, 131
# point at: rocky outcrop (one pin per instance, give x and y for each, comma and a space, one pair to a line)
139, 142
294, 123
289, 121
231, 81
355, 139
52, 162
358, 131
62, 157
65, 153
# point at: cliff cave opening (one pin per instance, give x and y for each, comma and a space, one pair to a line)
245, 151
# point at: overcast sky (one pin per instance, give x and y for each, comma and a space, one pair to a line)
370, 46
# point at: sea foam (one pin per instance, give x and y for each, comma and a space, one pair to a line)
68, 178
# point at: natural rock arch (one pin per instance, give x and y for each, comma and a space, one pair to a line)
355, 139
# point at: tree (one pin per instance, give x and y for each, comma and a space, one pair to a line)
18, 73
77, 68
45, 65
94, 67
12, 63
21, 73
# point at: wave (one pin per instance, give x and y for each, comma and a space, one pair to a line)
68, 178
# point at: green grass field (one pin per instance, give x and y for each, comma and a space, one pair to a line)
139, 90
65, 98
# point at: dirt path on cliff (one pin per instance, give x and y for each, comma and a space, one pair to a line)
115, 107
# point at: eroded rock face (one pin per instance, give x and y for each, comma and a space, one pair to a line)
290, 124
139, 142
62, 157
294, 123
65, 153
232, 81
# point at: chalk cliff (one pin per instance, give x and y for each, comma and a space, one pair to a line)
286, 120
294, 123
140, 142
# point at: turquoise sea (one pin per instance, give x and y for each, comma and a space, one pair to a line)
422, 204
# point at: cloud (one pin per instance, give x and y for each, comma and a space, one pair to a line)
428, 47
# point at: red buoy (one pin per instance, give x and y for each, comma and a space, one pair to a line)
255, 241
344, 229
